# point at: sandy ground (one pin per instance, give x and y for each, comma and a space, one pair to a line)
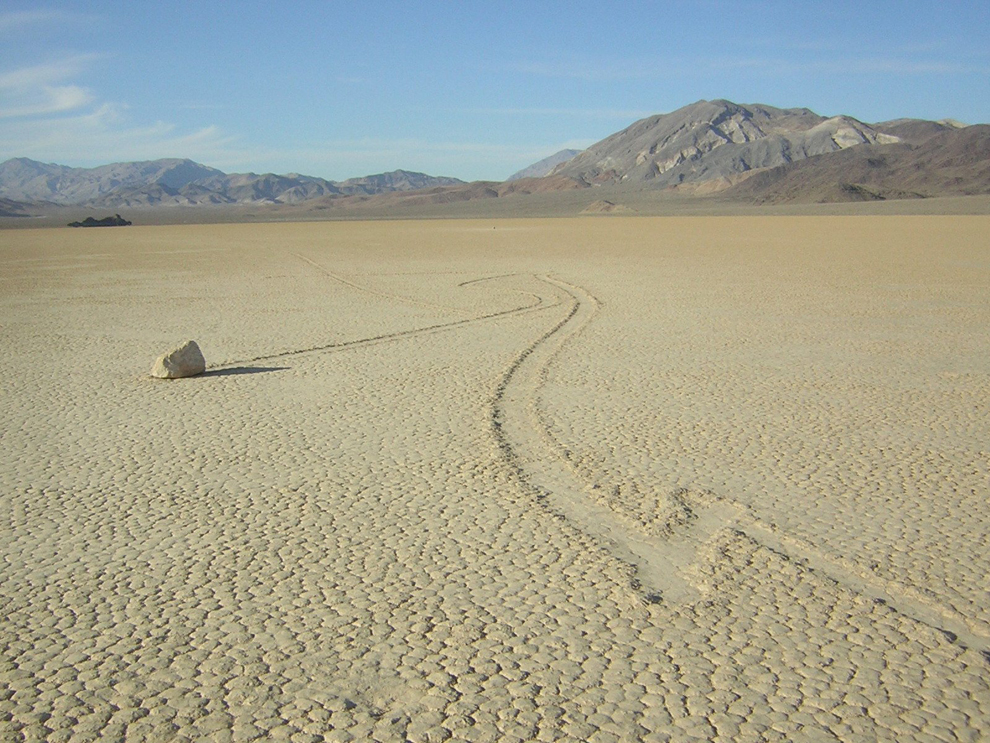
590, 479
628, 201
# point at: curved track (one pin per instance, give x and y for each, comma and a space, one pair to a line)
663, 564
538, 303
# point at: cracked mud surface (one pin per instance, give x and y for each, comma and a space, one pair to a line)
643, 479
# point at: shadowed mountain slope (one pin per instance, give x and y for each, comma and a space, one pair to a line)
9, 208
955, 162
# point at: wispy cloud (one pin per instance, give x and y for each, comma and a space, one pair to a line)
105, 135
413, 147
35, 90
800, 45
900, 66
591, 113
847, 47
686, 67
590, 70
201, 106
345, 158
19, 19
45, 113
26, 78
50, 100
838, 65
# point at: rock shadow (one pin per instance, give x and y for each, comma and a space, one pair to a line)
237, 370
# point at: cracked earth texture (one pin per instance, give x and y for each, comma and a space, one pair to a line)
560, 480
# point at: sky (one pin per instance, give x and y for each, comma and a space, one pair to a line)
474, 90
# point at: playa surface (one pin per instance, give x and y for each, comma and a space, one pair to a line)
595, 479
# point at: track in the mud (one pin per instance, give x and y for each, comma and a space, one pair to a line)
661, 563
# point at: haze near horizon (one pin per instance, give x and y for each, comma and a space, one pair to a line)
471, 92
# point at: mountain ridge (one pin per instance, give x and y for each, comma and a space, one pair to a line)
708, 140
180, 181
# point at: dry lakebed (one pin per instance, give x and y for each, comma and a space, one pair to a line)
588, 479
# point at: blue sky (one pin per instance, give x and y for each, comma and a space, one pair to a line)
475, 90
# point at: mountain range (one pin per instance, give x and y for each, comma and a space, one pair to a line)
750, 153
174, 182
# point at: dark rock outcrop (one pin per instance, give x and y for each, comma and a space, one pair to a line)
114, 221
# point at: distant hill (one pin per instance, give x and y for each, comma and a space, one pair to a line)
954, 162
397, 180
9, 208
175, 182
711, 140
462, 192
603, 206
544, 166
916, 131
23, 179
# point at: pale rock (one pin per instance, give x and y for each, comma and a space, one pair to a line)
185, 361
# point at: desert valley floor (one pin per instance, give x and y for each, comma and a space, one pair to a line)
594, 479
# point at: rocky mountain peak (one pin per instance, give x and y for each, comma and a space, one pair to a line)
710, 140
